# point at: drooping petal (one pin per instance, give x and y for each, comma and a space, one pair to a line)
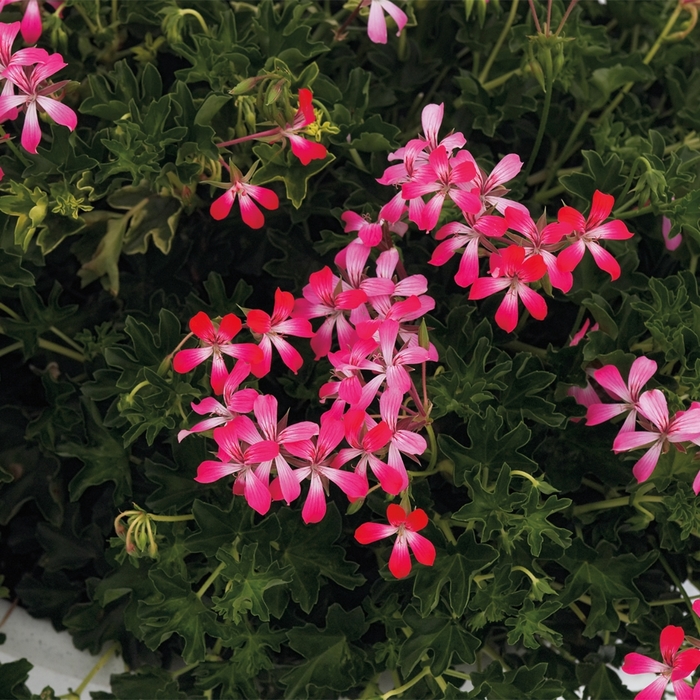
290, 356
422, 548
507, 313
397, 14
256, 493
250, 213
644, 467
61, 114
305, 150
376, 25
221, 207
314, 509
654, 691
31, 132
604, 260
534, 303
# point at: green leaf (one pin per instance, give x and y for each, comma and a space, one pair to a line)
536, 525
146, 682
13, 676
529, 623
333, 664
442, 637
104, 458
521, 397
313, 556
522, 684
248, 580
282, 164
601, 682
491, 505
608, 579
455, 568
488, 447
176, 611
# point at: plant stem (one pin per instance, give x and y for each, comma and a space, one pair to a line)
212, 577
249, 137
95, 669
407, 685
433, 447
11, 348
634, 213
198, 17
519, 346
66, 339
171, 518
55, 347
615, 503
681, 590
548, 88
499, 42
646, 60
457, 674
499, 81
9, 311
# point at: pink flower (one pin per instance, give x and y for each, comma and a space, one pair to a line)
696, 607
610, 379
675, 666
670, 243
241, 461
317, 465
662, 431
589, 231
405, 526
31, 21
376, 28
246, 193
29, 82
215, 341
510, 270
272, 330
304, 150
581, 332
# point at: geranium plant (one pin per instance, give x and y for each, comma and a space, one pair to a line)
411, 408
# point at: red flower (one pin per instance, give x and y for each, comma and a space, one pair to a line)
405, 526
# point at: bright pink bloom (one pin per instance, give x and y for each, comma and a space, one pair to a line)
266, 414
675, 666
235, 402
670, 243
272, 330
29, 82
696, 607
241, 461
405, 526
376, 27
304, 150
490, 187
591, 230
324, 296
581, 332
316, 465
366, 438
216, 341
512, 271
221, 207
31, 21
446, 177
456, 235
543, 240
610, 379
662, 431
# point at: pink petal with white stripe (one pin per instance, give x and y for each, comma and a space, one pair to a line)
314, 509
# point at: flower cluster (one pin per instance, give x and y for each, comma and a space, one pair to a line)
645, 409
370, 335
675, 667
28, 71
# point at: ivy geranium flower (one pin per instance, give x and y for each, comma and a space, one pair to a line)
35, 96
512, 271
661, 431
405, 526
215, 341
302, 148
376, 27
675, 665
247, 196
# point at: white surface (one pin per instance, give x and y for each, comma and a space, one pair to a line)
56, 661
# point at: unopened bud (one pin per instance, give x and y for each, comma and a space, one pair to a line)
245, 85
423, 337
274, 91
537, 72
355, 506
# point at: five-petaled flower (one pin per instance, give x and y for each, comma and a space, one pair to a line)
675, 667
405, 526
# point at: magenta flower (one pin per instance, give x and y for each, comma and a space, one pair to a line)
591, 230
696, 607
376, 27
241, 461
29, 82
316, 464
405, 526
215, 341
662, 431
246, 193
512, 271
272, 330
675, 666
610, 379
31, 21
302, 148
